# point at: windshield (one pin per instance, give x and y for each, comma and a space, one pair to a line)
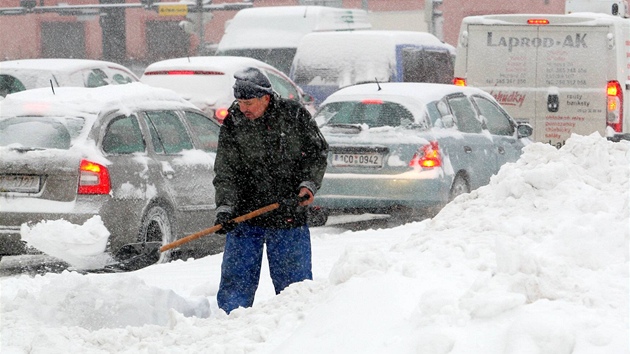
39, 132
373, 113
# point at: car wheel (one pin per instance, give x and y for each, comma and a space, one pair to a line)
156, 231
460, 186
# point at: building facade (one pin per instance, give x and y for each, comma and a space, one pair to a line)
124, 31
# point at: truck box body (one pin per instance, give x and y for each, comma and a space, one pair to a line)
562, 74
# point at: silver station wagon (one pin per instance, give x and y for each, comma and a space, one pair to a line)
140, 157
412, 146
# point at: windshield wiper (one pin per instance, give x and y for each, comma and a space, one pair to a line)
355, 128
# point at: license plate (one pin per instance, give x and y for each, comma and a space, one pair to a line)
361, 160
19, 183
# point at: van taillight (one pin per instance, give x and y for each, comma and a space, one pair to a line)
537, 21
459, 81
614, 106
220, 114
427, 156
93, 178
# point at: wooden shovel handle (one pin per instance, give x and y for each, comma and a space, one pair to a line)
216, 228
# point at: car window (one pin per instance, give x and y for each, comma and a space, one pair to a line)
123, 136
96, 78
35, 132
206, 130
10, 84
120, 77
465, 114
283, 87
432, 112
497, 121
170, 134
374, 113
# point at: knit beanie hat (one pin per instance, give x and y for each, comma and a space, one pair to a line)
251, 83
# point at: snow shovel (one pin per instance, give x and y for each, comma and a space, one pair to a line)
149, 255
236, 220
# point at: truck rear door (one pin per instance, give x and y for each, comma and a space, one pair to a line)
552, 74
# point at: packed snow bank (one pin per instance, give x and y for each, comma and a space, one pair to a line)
535, 262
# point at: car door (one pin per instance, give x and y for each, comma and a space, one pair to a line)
479, 149
132, 174
187, 171
507, 146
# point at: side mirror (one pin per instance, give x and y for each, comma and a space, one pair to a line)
308, 98
524, 130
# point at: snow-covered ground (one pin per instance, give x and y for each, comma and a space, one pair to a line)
535, 262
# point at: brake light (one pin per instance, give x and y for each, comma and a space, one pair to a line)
220, 114
93, 178
183, 72
372, 101
459, 81
428, 156
614, 106
537, 21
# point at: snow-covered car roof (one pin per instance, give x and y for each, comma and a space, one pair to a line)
227, 64
35, 73
427, 92
60, 64
88, 102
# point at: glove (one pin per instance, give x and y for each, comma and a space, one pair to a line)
225, 220
288, 206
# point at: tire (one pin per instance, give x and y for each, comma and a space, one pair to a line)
460, 186
157, 230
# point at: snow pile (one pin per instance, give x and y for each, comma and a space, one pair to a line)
82, 246
535, 262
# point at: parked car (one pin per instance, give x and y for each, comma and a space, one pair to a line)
412, 146
207, 81
140, 157
24, 74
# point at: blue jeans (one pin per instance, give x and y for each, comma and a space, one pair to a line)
288, 253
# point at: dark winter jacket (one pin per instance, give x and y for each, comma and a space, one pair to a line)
266, 160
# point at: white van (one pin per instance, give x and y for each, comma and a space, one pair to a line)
271, 34
562, 74
327, 61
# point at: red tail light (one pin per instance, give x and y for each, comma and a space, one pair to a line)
614, 106
93, 178
220, 114
372, 101
538, 21
459, 81
428, 156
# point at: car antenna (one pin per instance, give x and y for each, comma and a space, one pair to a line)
188, 58
52, 87
377, 84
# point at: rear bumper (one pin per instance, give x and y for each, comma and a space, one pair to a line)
418, 190
619, 136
